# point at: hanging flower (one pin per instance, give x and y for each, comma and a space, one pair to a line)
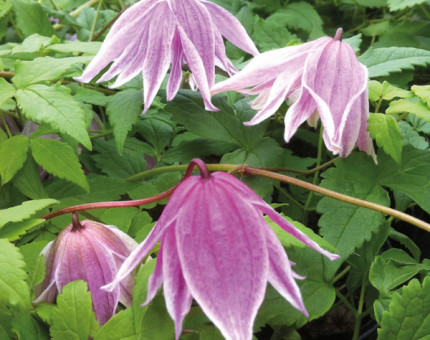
92, 252
217, 248
153, 35
322, 77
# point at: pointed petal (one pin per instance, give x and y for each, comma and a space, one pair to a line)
298, 113
289, 228
222, 60
48, 294
176, 292
231, 28
196, 24
167, 218
176, 72
197, 68
156, 279
364, 142
280, 276
124, 32
158, 57
284, 84
222, 250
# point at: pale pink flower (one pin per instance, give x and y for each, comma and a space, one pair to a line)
322, 77
217, 248
92, 252
153, 35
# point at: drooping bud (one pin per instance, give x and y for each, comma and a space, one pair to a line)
92, 252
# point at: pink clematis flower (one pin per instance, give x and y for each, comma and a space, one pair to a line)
322, 77
92, 252
217, 248
153, 34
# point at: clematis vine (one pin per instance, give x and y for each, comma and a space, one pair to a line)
217, 248
153, 35
92, 252
322, 78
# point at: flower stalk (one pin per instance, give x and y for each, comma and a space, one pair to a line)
246, 171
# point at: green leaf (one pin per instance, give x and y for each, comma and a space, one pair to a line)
396, 5
14, 291
383, 61
408, 313
13, 153
89, 47
13, 230
54, 105
31, 18
344, 225
74, 318
386, 132
418, 108
386, 91
94, 97
28, 181
24, 211
33, 45
411, 177
393, 268
412, 137
6, 90
110, 162
120, 326
45, 69
372, 3
300, 16
59, 159
123, 110
423, 92
34, 262
270, 34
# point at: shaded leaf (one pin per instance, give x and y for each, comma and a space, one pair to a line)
415, 107
396, 5
59, 159
13, 153
31, 18
6, 90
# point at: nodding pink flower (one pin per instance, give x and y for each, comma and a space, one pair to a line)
153, 35
92, 252
217, 248
322, 77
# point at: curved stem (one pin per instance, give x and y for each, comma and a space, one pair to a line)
338, 196
359, 314
204, 172
93, 26
108, 205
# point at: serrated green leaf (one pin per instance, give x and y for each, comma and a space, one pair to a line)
347, 226
120, 326
54, 105
270, 34
408, 313
31, 18
28, 181
24, 211
407, 242
33, 45
110, 162
34, 262
386, 91
13, 230
393, 268
6, 90
59, 159
423, 92
123, 110
13, 153
89, 47
44, 69
300, 16
386, 132
396, 5
94, 97
74, 318
418, 108
224, 126
317, 292
412, 137
411, 177
383, 61
14, 291
371, 3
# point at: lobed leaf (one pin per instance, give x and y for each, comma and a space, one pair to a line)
74, 318
59, 159
13, 153
386, 132
396, 5
385, 60
6, 91
31, 18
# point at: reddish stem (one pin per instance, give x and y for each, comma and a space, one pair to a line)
76, 224
204, 172
338, 35
106, 205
